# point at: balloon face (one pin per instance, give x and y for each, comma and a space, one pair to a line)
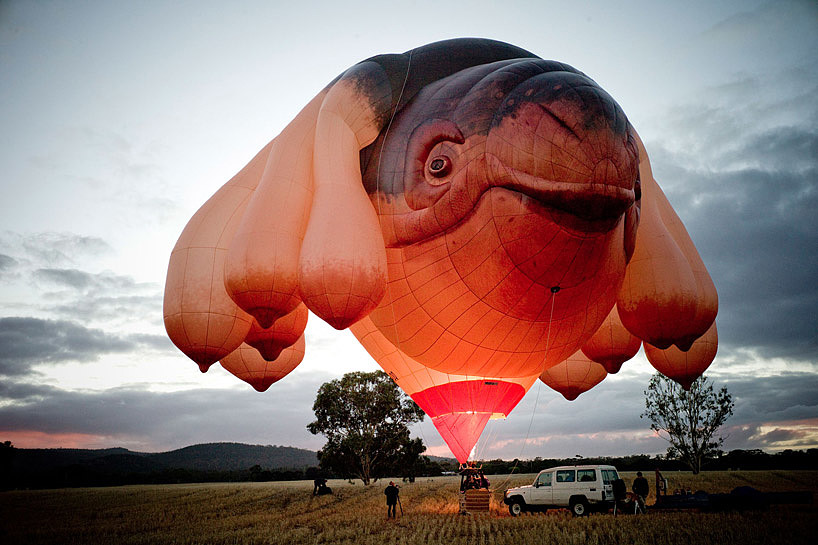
247, 364
507, 199
685, 367
612, 344
459, 405
575, 375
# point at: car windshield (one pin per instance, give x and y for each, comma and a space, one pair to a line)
544, 479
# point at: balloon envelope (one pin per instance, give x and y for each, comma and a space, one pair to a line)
477, 210
612, 344
459, 405
685, 367
246, 363
575, 375
667, 297
284, 332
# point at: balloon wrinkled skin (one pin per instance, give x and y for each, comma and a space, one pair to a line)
476, 215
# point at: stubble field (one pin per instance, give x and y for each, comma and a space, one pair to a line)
286, 513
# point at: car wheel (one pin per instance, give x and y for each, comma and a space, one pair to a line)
515, 508
579, 508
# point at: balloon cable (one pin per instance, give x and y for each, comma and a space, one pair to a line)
554, 291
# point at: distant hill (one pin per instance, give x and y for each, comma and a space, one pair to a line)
205, 457
234, 456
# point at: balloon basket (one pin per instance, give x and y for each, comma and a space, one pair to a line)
475, 501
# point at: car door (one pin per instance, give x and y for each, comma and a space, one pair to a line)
564, 482
542, 493
588, 483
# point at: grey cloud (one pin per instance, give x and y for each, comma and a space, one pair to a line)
52, 249
772, 34
65, 277
747, 191
99, 296
7, 262
84, 281
57, 248
29, 341
788, 396
603, 421
606, 420
112, 308
752, 436
163, 420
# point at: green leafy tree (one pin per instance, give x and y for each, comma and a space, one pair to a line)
688, 420
365, 418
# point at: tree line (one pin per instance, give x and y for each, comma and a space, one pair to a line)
753, 459
79, 475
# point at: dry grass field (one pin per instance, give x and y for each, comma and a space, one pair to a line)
286, 513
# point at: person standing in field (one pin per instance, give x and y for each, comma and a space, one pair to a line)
641, 488
392, 493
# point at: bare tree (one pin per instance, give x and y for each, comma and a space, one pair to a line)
688, 420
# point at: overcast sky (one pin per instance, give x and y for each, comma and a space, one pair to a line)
119, 119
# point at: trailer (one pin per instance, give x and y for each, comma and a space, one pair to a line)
742, 498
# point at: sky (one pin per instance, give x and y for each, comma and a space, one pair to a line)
119, 119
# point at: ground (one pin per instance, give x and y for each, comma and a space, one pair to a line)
287, 513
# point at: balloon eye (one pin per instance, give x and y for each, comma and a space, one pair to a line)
440, 166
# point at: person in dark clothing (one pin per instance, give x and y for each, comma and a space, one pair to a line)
318, 484
392, 493
641, 488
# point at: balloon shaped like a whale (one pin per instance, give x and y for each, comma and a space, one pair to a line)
484, 209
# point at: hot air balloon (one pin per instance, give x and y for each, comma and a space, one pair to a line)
685, 367
472, 208
611, 345
247, 364
575, 375
459, 406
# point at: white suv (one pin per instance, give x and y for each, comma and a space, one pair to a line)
579, 488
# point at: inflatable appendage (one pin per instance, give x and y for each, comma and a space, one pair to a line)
247, 364
283, 333
685, 367
667, 297
574, 376
611, 345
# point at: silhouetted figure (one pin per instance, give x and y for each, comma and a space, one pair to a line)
320, 487
392, 493
641, 488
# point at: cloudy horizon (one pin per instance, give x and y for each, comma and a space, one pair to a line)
119, 120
